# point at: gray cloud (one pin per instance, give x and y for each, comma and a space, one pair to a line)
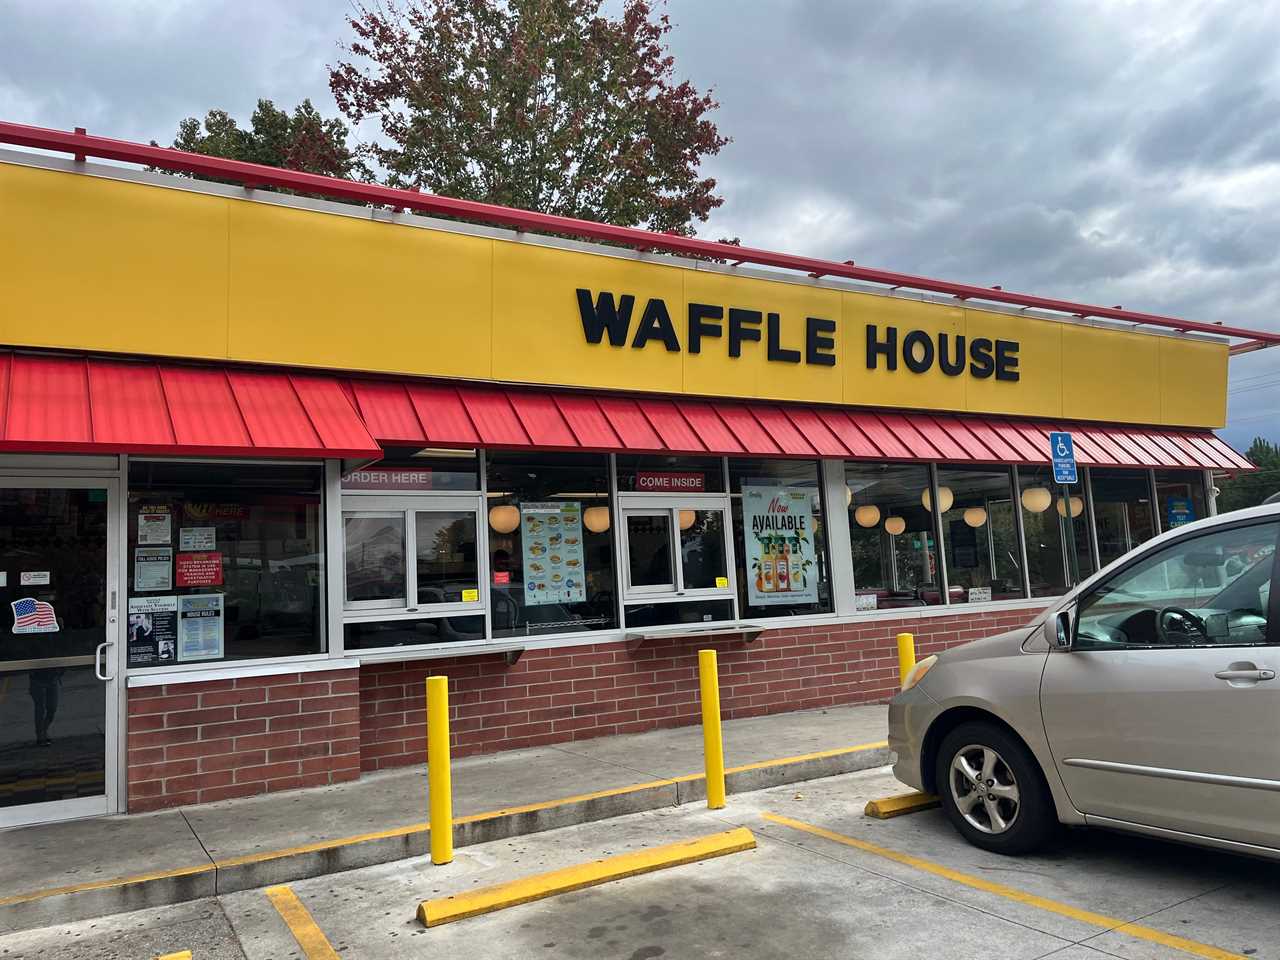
1113, 153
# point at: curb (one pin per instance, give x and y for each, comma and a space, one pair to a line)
124, 894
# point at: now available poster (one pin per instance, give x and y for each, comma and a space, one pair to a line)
779, 541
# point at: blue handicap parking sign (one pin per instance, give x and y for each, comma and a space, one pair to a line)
1063, 453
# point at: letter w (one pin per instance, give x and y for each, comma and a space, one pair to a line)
604, 315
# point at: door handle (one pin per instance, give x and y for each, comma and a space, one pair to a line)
1246, 675
98, 662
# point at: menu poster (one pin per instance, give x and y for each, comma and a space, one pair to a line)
780, 548
200, 627
153, 630
152, 569
551, 535
155, 525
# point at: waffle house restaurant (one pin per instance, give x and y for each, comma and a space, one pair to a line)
269, 459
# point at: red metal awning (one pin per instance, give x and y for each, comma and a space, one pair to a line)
406, 413
63, 404
72, 404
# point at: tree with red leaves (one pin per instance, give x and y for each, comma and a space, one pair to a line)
546, 105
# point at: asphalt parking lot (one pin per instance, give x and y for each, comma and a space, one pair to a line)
824, 881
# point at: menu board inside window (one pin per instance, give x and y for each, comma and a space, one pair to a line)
551, 534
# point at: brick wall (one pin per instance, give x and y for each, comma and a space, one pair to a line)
576, 693
199, 742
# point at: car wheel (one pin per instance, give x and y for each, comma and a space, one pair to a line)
992, 790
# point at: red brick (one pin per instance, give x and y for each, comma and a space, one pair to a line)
156, 738
275, 708
192, 718
266, 771
199, 748
199, 781
302, 751
278, 680
162, 771
145, 755
299, 722
266, 741
233, 728
221, 698
231, 761
296, 691
231, 792
162, 704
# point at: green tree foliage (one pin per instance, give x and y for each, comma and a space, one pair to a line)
303, 141
547, 105
1250, 489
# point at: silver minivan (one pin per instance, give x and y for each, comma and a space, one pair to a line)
1145, 700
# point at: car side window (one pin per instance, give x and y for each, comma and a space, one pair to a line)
1210, 590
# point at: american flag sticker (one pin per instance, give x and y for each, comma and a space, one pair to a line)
33, 616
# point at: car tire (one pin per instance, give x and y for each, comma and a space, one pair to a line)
989, 814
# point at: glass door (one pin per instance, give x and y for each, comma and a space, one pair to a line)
58, 656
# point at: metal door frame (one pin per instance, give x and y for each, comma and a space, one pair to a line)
114, 660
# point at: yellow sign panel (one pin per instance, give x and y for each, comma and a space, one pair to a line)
89, 263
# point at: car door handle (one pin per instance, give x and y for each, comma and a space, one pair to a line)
1254, 675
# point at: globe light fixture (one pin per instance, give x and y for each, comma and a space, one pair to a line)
1036, 499
504, 518
1077, 507
687, 517
975, 516
596, 519
894, 525
867, 515
848, 495
945, 499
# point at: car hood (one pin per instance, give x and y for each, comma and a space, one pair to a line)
1000, 645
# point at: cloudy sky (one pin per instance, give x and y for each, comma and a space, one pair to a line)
1120, 152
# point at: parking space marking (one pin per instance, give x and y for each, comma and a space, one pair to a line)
580, 876
1009, 893
180, 955
315, 945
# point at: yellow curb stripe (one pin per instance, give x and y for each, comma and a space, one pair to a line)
315, 945
416, 828
432, 913
180, 955
104, 884
888, 807
1009, 893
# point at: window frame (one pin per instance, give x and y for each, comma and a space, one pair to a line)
408, 506
659, 504
1139, 555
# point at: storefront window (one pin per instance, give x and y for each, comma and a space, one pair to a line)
980, 534
1122, 508
895, 560
1180, 495
225, 562
550, 544
1049, 524
374, 634
676, 475
780, 542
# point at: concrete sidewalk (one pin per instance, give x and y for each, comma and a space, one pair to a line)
87, 868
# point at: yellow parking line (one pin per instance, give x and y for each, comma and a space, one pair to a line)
180, 955
488, 899
1009, 893
315, 945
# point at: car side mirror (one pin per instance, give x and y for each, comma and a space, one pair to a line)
1061, 636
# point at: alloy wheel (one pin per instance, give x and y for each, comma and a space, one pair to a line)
984, 789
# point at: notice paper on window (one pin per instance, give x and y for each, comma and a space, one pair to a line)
152, 569
155, 525
153, 630
200, 627
778, 531
197, 538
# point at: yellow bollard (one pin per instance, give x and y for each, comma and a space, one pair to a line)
906, 656
712, 741
439, 781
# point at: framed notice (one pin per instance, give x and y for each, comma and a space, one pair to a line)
152, 569
778, 531
200, 627
551, 538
